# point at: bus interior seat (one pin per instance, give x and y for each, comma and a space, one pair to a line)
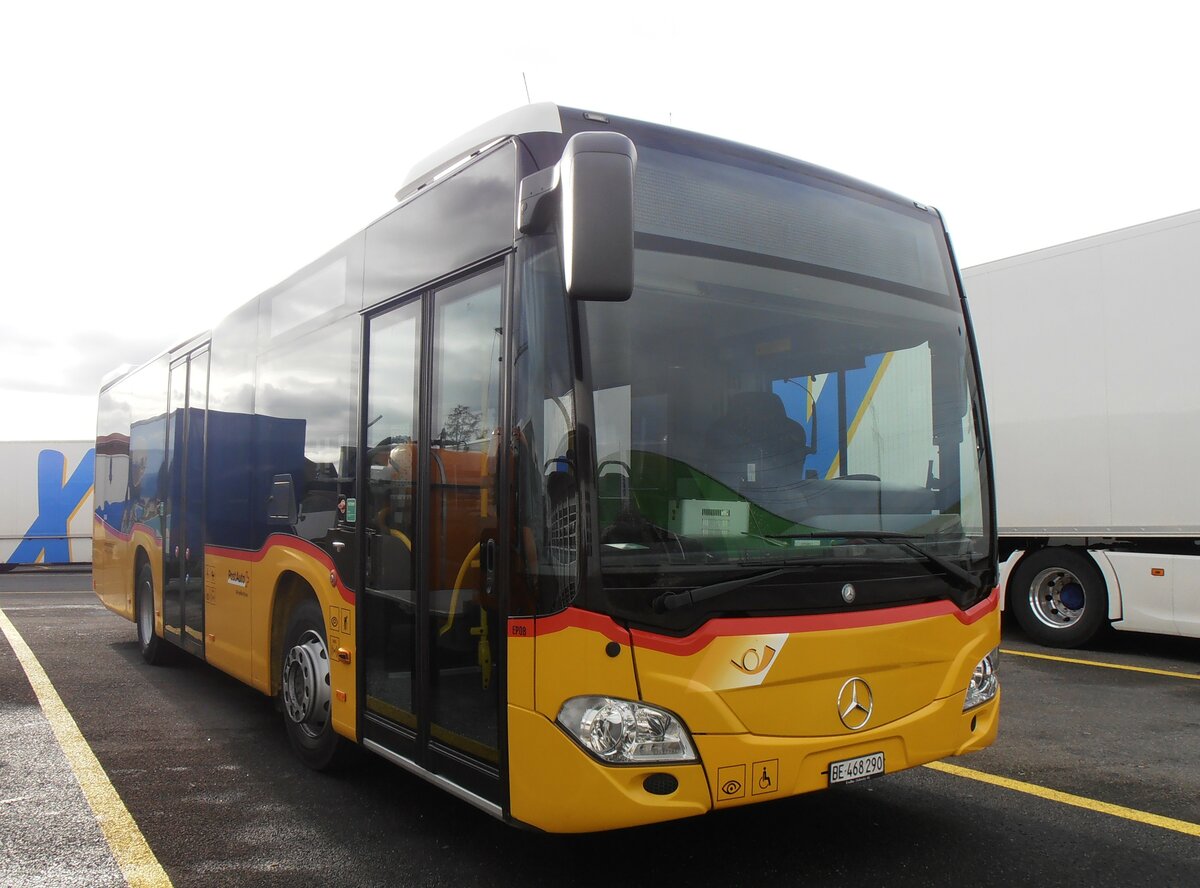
757, 430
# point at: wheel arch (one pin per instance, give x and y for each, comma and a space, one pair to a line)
141, 556
1026, 548
291, 589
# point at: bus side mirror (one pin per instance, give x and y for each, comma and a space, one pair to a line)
589, 194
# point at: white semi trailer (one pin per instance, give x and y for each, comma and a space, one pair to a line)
1091, 364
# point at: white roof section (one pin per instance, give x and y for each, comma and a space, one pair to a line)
1192, 217
116, 373
542, 117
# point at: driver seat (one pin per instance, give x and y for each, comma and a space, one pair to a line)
757, 443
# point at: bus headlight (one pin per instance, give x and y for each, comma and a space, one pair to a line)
622, 732
984, 681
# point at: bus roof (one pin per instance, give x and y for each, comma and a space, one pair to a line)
543, 117
548, 117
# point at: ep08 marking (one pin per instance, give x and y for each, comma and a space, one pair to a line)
129, 847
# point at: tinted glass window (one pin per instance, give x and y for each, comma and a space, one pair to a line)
804, 222
306, 411
390, 513
112, 458
466, 217
143, 397
314, 296
464, 427
544, 411
230, 422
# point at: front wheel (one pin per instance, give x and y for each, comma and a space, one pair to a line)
305, 689
1059, 597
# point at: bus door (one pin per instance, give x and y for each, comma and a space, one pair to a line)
432, 621
183, 508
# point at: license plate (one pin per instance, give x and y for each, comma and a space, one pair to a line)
849, 770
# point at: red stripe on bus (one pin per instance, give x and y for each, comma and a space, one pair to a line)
147, 529
574, 618
285, 541
727, 627
724, 627
126, 537
112, 531
982, 609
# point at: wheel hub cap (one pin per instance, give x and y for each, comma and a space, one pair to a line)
306, 683
1072, 596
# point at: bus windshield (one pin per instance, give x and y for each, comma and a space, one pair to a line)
790, 383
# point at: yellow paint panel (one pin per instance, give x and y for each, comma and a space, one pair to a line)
521, 647
110, 555
227, 591
907, 664
574, 661
113, 559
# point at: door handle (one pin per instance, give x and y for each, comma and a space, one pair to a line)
489, 566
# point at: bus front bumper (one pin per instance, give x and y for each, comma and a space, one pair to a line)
557, 787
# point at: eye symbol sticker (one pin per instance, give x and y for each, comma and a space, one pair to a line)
731, 783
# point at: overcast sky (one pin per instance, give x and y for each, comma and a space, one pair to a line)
161, 163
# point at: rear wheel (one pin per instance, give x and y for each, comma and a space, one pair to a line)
155, 650
305, 689
1059, 597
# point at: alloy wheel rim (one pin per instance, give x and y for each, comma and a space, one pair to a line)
1046, 598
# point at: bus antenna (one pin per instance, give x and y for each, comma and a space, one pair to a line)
525, 80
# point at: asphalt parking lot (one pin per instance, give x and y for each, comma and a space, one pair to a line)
1093, 781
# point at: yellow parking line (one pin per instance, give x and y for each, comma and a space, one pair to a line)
133, 855
1066, 798
1014, 653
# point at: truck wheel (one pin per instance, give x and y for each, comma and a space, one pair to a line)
1059, 597
305, 691
155, 650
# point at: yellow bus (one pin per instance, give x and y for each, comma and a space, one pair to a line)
618, 474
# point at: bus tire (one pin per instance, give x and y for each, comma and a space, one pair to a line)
304, 691
1059, 597
155, 650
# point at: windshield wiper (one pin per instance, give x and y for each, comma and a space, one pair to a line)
773, 539
970, 581
839, 535
670, 601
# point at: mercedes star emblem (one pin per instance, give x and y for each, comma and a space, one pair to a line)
855, 704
